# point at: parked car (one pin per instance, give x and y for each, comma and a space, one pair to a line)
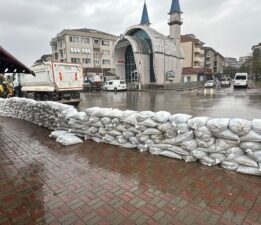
115, 85
226, 82
241, 80
210, 84
89, 85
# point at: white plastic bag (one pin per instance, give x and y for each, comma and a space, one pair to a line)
161, 117
180, 118
218, 125
256, 125
251, 136
240, 126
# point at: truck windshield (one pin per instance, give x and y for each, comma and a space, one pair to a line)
240, 77
122, 82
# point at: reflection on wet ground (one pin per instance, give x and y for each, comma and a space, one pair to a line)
42, 182
225, 102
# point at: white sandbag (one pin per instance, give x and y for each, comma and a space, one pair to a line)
206, 143
170, 141
102, 131
96, 139
106, 120
125, 114
108, 138
149, 123
142, 138
128, 134
208, 161
142, 148
249, 170
121, 140
228, 165
162, 146
82, 116
109, 127
170, 154
181, 128
134, 141
180, 118
222, 144
203, 133
69, 140
251, 145
227, 134
198, 154
189, 145
128, 145
115, 113
141, 128
155, 151
218, 125
164, 127
114, 133
90, 111
255, 155
189, 158
251, 136
115, 121
120, 128
256, 125
184, 137
244, 160
157, 137
211, 149
197, 122
134, 130
102, 112
233, 152
177, 150
144, 115
240, 126
161, 117
93, 130
57, 133
170, 134
93, 120
98, 124
151, 131
131, 119
221, 157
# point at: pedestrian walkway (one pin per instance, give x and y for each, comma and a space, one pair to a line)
42, 182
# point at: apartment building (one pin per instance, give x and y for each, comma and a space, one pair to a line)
193, 65
213, 60
91, 48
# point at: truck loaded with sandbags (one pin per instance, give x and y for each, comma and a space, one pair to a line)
55, 81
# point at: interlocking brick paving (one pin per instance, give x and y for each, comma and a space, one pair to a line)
42, 182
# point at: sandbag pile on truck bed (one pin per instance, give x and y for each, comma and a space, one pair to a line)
234, 144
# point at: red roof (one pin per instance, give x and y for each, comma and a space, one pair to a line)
187, 71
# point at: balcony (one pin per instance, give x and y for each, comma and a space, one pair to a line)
197, 59
197, 50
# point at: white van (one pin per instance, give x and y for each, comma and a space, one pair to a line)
241, 80
115, 85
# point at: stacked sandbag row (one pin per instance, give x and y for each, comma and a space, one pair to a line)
44, 114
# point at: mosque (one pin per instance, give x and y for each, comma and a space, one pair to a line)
144, 56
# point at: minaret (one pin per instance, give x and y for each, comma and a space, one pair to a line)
175, 22
145, 17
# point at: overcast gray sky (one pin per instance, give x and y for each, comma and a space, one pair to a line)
232, 27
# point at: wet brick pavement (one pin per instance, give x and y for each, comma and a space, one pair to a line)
42, 182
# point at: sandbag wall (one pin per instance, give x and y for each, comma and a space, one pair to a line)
235, 144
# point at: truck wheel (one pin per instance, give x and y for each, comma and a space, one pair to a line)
45, 97
37, 97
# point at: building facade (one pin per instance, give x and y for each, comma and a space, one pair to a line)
91, 48
145, 56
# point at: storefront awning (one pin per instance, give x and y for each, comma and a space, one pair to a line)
9, 64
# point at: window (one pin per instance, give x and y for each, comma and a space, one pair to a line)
86, 61
75, 60
106, 62
61, 53
56, 56
74, 39
96, 62
96, 41
97, 54
85, 40
55, 47
105, 53
110, 83
105, 43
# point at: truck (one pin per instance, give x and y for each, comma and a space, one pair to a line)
93, 82
54, 81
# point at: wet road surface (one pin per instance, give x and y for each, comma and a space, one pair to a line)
42, 182
224, 102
